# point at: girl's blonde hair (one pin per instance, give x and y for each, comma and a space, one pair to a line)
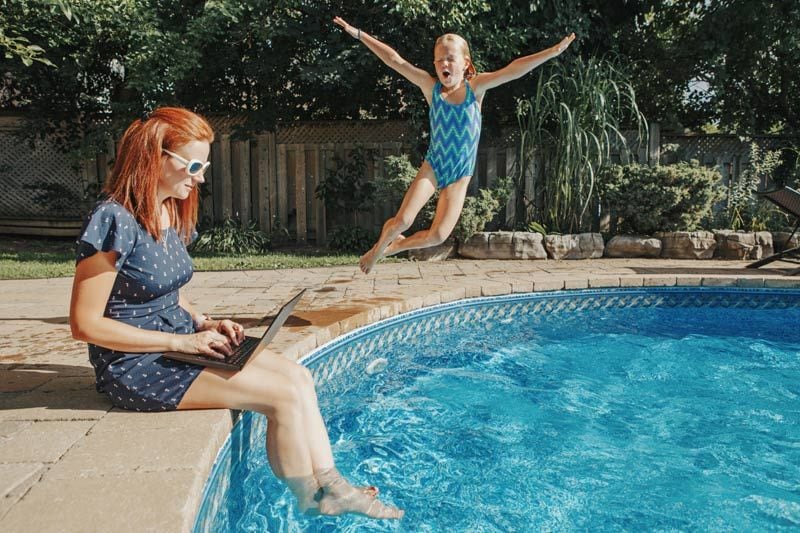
462, 44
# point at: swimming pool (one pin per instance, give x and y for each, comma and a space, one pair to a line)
634, 409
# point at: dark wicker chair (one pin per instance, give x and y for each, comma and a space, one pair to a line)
788, 200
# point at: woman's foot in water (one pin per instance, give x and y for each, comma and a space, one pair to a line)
339, 497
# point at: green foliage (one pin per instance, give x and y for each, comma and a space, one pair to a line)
350, 239
232, 237
399, 173
644, 199
535, 227
569, 126
480, 210
345, 189
743, 210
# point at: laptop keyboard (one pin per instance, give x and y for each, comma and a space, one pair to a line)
242, 352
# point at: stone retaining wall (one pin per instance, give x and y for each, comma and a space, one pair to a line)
719, 244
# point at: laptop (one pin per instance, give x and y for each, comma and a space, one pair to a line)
250, 345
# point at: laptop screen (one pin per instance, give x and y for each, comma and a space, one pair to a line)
280, 318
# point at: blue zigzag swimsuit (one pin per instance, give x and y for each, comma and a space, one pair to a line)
455, 130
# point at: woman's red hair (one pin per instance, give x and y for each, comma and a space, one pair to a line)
134, 180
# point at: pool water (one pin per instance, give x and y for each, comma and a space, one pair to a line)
600, 410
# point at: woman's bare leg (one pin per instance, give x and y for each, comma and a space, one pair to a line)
448, 210
420, 191
282, 390
271, 394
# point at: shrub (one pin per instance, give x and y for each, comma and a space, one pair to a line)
644, 199
481, 209
742, 209
345, 189
350, 239
232, 238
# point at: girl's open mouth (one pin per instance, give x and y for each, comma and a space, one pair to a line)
446, 74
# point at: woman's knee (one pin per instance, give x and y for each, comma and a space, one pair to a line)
286, 406
303, 380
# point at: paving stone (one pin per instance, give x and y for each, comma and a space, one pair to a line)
659, 281
42, 441
15, 480
572, 284
147, 501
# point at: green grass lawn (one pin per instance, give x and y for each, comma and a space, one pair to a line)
34, 258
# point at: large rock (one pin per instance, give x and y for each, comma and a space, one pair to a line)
743, 246
444, 251
781, 242
503, 245
574, 246
687, 244
736, 245
633, 246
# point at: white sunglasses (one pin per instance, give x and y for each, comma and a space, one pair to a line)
195, 167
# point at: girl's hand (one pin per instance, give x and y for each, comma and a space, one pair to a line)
341, 22
565, 42
209, 342
351, 31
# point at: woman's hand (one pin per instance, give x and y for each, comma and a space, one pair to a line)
233, 330
209, 342
565, 42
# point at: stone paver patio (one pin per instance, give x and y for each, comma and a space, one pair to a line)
71, 462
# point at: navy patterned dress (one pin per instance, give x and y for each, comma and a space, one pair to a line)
145, 295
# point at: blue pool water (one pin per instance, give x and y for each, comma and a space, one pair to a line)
650, 409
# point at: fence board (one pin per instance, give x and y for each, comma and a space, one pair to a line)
283, 180
300, 192
260, 181
240, 178
511, 205
320, 228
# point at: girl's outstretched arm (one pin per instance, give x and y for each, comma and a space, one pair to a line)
519, 67
388, 55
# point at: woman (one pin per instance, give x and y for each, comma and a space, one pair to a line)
131, 263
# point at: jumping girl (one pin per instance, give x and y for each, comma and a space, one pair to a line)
454, 96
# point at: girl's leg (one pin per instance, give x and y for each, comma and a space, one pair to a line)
420, 191
448, 210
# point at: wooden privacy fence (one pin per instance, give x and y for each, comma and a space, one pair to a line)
271, 179
273, 184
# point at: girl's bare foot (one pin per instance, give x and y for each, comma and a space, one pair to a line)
368, 260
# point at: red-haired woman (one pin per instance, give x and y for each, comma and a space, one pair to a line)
131, 261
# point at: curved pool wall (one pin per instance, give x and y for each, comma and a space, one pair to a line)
341, 362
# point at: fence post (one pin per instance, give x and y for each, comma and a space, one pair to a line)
654, 144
